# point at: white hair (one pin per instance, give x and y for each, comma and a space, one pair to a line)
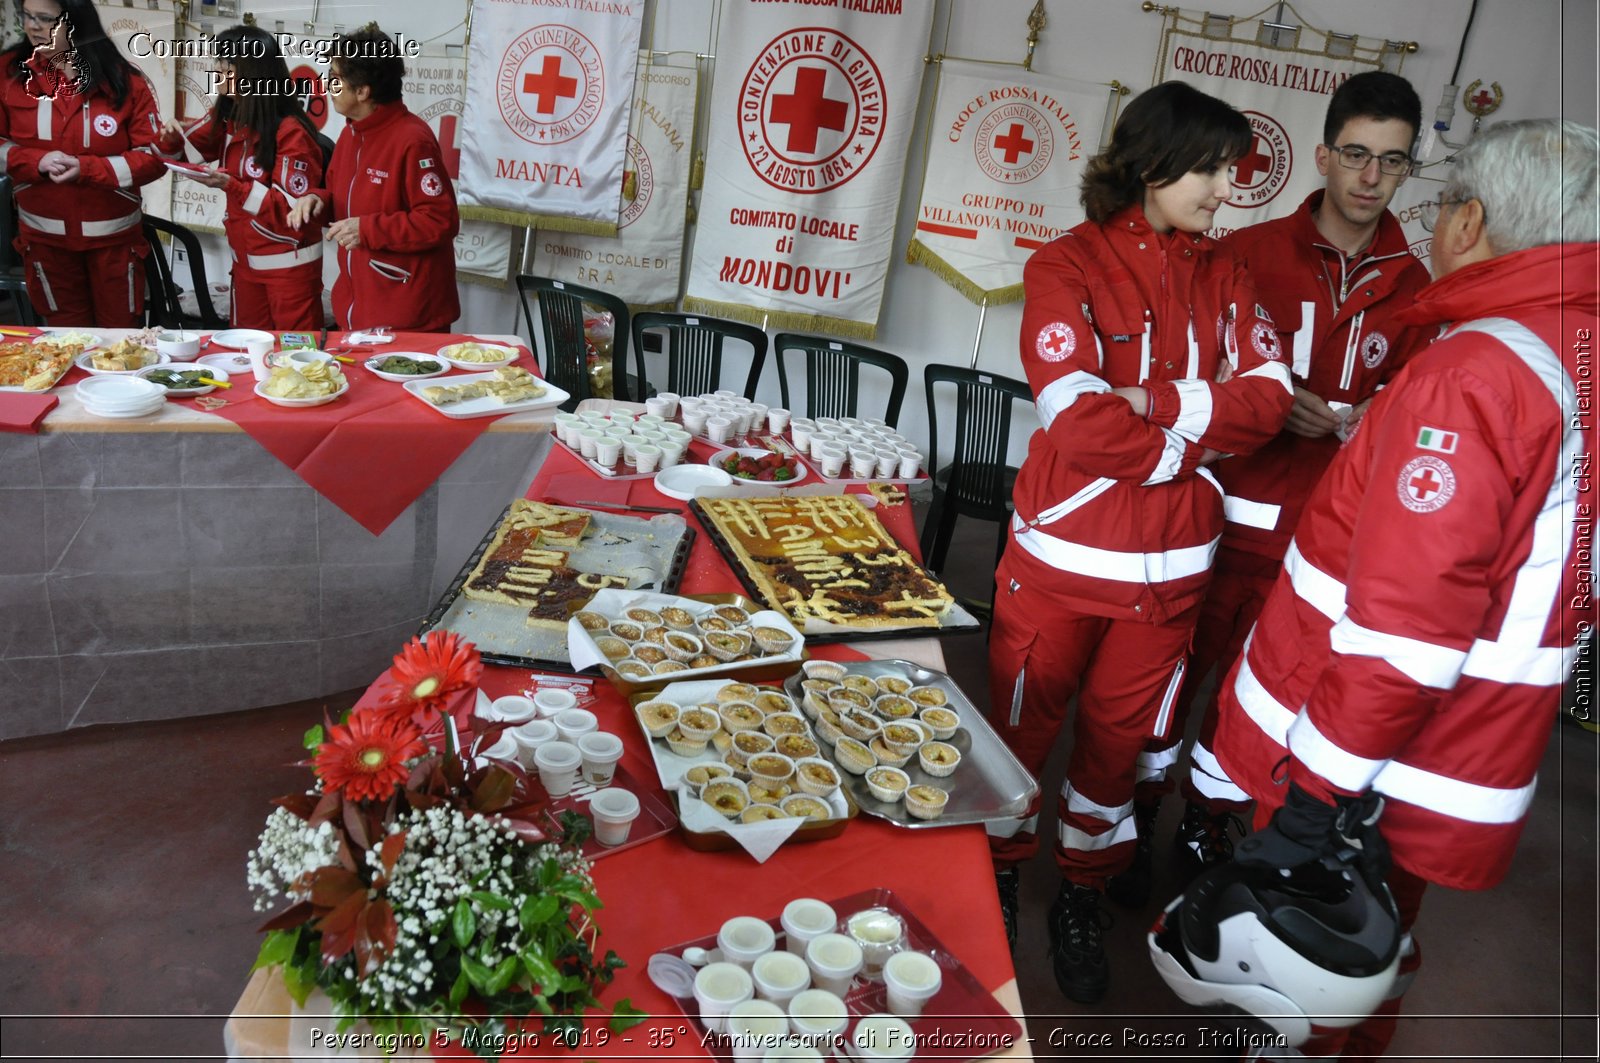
1537, 180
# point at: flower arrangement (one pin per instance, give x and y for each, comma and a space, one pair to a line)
426, 886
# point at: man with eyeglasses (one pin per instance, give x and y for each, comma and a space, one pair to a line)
1333, 275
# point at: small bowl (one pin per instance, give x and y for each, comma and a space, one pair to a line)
179, 345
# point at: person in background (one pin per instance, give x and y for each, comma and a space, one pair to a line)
1147, 358
78, 126
391, 205
268, 156
1416, 647
1334, 275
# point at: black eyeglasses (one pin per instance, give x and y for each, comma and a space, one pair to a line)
1428, 212
1356, 157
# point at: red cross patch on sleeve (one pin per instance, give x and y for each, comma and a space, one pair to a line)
1056, 342
1426, 484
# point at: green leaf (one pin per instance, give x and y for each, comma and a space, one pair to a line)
625, 1016
540, 969
491, 900
298, 985
504, 971
277, 949
538, 910
613, 961
565, 1029
313, 738
463, 924
458, 991
477, 973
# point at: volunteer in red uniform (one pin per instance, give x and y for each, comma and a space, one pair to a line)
268, 157
1438, 587
1334, 275
78, 125
1147, 358
393, 206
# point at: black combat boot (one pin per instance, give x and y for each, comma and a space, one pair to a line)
1131, 888
1077, 951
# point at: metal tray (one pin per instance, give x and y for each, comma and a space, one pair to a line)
956, 621
500, 631
619, 473
655, 817
990, 783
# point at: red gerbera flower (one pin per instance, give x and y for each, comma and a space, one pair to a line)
365, 756
424, 674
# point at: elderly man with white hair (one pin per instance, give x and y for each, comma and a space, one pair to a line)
1437, 592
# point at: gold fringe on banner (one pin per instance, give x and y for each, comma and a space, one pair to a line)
920, 254
782, 319
553, 222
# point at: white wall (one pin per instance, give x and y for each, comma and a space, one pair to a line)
1542, 52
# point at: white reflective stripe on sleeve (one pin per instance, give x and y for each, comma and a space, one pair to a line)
1303, 338
1080, 841
1315, 587
1427, 663
54, 226
1539, 666
1081, 497
1453, 797
120, 167
257, 196
1193, 368
1276, 370
1160, 758
1061, 393
1081, 805
1164, 714
1206, 775
1265, 710
1010, 828
1333, 762
1194, 408
1263, 515
1171, 459
1122, 566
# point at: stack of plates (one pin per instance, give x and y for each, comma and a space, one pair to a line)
121, 396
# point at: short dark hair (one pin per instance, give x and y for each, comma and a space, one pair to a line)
370, 57
1374, 94
1166, 132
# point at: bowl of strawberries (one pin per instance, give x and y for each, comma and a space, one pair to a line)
754, 465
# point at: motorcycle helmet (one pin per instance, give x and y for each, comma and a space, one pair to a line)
1317, 946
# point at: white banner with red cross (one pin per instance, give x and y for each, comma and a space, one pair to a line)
548, 88
643, 263
135, 30
1006, 150
811, 116
1283, 91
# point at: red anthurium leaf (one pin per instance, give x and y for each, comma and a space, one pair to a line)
292, 916
330, 886
393, 846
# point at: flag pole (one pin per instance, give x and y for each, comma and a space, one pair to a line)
977, 341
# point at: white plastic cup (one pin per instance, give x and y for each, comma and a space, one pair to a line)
832, 460
754, 1027
743, 418
659, 407
589, 442
614, 810
575, 723
671, 452
696, 421
671, 399
910, 462
777, 420
834, 960
805, 918
606, 451
553, 700
530, 736
744, 938
689, 403
512, 708
718, 428
718, 987
724, 393
258, 351
912, 979
594, 418
888, 462
818, 1018
504, 748
601, 751
880, 1036
800, 431
822, 437
863, 462
647, 457
558, 764
779, 976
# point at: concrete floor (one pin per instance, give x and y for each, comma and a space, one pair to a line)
130, 930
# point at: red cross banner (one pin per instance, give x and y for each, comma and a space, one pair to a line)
643, 263
1006, 149
1282, 90
811, 116
548, 88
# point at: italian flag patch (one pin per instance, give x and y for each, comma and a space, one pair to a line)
1437, 439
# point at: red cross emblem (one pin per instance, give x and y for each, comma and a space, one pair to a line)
1426, 484
1484, 98
549, 85
1056, 342
1014, 145
808, 110
1265, 341
1257, 160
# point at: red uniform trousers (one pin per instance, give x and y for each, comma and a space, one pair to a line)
1124, 672
102, 287
288, 300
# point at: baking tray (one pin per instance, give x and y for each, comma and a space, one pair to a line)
670, 768
956, 620
989, 783
600, 470
500, 631
962, 1012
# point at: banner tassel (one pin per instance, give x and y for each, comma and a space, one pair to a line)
919, 254
553, 222
782, 319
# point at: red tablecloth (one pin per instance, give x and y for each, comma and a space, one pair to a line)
22, 411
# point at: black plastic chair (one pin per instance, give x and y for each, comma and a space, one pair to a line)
566, 352
833, 375
695, 347
13, 289
162, 304
978, 481
10, 261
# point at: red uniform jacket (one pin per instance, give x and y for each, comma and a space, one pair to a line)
1417, 639
387, 170
1110, 511
1338, 321
115, 148
258, 203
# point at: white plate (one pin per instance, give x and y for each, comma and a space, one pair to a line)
86, 363
680, 481
715, 461
118, 390
94, 342
236, 338
320, 400
228, 363
377, 360
488, 406
120, 413
186, 393
511, 355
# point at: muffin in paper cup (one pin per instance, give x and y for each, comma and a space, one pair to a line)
829, 670
771, 701
853, 756
668, 668
683, 745
747, 744
926, 802
773, 640
759, 813
862, 684
828, 728
633, 669
736, 764
590, 621
657, 634
770, 767
740, 716
698, 776
722, 741
644, 616
768, 793
705, 660
888, 784
797, 747
885, 755
627, 630
812, 808
658, 718
678, 618
894, 684
928, 697
903, 738
942, 721
859, 725
842, 698
816, 776
732, 614
651, 655
738, 692
698, 723
725, 645
713, 623
938, 759
682, 646
894, 706
784, 723
614, 648
727, 796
